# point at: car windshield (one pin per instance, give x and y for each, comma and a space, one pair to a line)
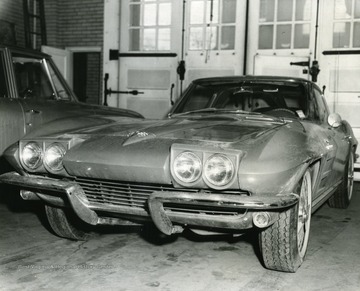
37, 79
286, 99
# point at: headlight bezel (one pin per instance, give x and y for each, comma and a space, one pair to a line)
204, 153
197, 165
44, 144
49, 167
220, 156
23, 158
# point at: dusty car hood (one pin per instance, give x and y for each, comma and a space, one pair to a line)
139, 151
227, 130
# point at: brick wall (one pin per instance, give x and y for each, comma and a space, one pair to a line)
51, 16
80, 23
11, 11
93, 85
68, 22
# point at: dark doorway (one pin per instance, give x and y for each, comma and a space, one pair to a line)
87, 77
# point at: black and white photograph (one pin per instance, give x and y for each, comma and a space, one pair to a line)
180, 145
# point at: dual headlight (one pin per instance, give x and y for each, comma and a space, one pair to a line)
34, 155
217, 169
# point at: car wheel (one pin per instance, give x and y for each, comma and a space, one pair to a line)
342, 196
65, 224
283, 245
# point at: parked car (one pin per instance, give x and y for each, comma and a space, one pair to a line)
33, 93
234, 154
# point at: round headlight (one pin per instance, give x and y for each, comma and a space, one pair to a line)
32, 155
219, 170
54, 156
187, 167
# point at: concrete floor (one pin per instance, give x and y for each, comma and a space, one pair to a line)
32, 258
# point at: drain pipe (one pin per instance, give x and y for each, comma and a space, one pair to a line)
316, 29
181, 69
246, 37
314, 69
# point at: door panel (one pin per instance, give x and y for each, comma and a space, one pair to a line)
11, 121
281, 66
154, 78
340, 59
41, 91
215, 38
282, 37
150, 50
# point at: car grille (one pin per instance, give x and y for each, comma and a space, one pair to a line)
135, 195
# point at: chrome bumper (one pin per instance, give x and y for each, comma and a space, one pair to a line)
164, 219
70, 189
168, 222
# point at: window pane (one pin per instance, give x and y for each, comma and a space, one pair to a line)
61, 92
212, 37
283, 36
150, 39
357, 8
135, 15
227, 38
214, 12
302, 36
267, 8
229, 11
196, 40
165, 14
33, 81
134, 39
149, 14
341, 36
266, 36
356, 34
343, 9
285, 10
303, 9
164, 39
197, 12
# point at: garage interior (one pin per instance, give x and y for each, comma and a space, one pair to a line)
150, 51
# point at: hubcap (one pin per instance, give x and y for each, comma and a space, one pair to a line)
350, 179
304, 214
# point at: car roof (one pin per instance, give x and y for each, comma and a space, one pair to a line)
25, 50
235, 79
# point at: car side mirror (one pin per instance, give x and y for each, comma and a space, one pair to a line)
334, 120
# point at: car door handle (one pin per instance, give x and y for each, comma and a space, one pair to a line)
347, 137
32, 111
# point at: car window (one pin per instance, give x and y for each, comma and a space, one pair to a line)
198, 98
61, 92
264, 97
321, 105
36, 79
3, 87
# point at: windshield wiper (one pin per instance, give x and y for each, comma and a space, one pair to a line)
214, 110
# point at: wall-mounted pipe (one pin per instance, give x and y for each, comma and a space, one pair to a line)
246, 37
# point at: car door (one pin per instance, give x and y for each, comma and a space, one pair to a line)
335, 142
42, 91
12, 124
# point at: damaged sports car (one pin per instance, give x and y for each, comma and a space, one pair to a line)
234, 154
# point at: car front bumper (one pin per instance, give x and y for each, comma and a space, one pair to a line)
168, 220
